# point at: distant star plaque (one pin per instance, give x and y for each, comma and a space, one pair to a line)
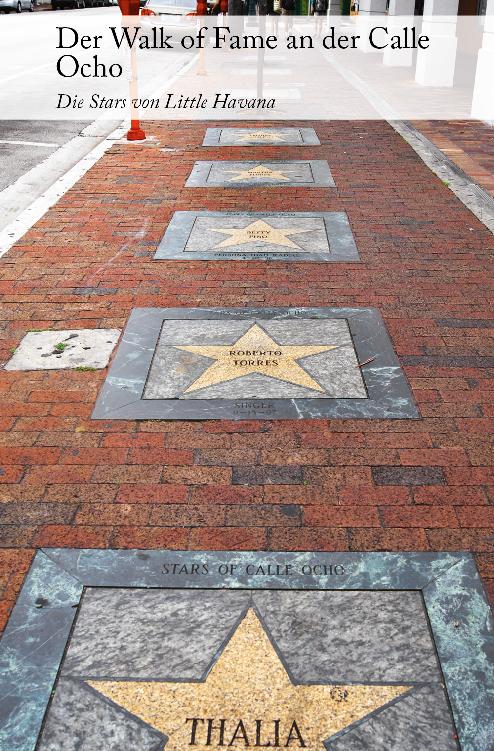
259, 236
310, 173
261, 137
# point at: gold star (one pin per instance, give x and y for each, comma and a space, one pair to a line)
258, 231
258, 172
262, 135
247, 699
255, 352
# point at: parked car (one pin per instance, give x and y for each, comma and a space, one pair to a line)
59, 4
176, 13
16, 6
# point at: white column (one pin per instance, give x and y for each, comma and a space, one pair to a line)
401, 7
483, 92
372, 7
365, 21
396, 12
436, 65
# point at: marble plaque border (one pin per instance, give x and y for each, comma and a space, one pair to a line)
120, 398
309, 137
321, 173
39, 628
342, 246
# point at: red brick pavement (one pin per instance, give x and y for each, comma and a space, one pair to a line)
66, 480
468, 143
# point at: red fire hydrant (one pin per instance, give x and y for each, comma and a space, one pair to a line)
136, 133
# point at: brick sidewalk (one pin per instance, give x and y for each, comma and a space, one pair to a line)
468, 143
67, 480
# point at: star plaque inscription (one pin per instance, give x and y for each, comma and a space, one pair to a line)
259, 231
254, 363
261, 137
156, 650
258, 236
295, 173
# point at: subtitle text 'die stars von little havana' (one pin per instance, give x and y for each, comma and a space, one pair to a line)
220, 100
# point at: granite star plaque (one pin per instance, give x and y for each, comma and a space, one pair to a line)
195, 364
248, 236
261, 137
297, 173
151, 649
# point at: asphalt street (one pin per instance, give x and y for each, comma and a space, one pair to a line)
35, 153
26, 143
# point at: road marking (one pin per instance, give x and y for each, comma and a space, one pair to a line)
31, 143
38, 208
11, 233
24, 73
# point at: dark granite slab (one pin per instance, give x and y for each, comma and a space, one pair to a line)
420, 721
120, 632
79, 721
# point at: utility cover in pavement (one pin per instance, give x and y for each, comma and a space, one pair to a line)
52, 350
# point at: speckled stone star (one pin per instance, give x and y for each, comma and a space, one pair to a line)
258, 232
260, 171
246, 699
255, 352
262, 135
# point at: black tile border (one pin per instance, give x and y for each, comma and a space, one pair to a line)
39, 628
340, 238
120, 398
